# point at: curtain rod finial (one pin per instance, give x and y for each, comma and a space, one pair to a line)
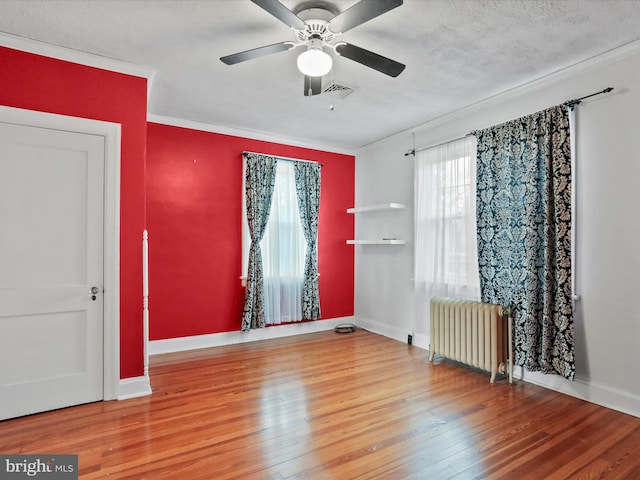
410, 152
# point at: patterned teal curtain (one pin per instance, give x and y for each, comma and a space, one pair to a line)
524, 234
260, 177
308, 189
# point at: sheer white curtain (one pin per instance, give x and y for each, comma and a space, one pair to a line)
283, 251
446, 257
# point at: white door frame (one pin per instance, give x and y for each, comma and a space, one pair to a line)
111, 315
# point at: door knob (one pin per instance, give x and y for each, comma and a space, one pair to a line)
93, 291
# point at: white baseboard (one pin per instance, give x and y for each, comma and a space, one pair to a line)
134, 387
381, 329
590, 391
229, 338
421, 340
586, 390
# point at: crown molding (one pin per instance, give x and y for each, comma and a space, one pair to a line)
571, 71
75, 56
83, 58
239, 132
580, 68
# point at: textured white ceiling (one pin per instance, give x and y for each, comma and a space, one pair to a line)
457, 52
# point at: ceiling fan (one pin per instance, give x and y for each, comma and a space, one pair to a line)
316, 25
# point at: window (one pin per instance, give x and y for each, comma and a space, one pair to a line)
454, 189
283, 250
446, 260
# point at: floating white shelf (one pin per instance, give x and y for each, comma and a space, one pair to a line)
376, 208
395, 241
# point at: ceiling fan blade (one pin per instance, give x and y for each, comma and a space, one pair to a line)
372, 60
257, 53
361, 12
312, 85
282, 13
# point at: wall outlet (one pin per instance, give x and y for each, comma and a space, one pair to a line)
410, 339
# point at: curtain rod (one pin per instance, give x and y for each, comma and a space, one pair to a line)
576, 101
284, 158
570, 104
413, 150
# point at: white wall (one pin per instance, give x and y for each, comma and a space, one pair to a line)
383, 273
607, 318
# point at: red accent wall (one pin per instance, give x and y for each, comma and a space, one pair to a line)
192, 210
194, 218
45, 84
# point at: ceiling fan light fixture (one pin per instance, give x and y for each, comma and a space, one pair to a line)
314, 62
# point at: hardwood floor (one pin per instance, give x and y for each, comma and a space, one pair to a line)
330, 406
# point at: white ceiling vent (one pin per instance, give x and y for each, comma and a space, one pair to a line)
337, 90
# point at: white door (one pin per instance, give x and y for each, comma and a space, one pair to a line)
51, 257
